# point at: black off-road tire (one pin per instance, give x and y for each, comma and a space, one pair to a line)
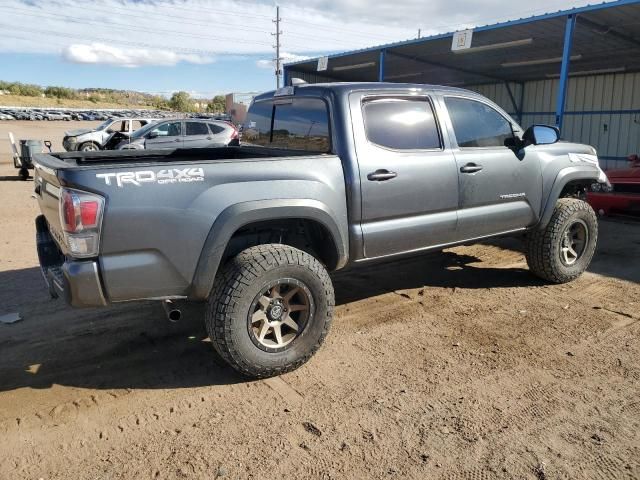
544, 246
232, 299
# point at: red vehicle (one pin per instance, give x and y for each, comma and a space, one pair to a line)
624, 196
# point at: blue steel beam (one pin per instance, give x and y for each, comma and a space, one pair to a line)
285, 76
561, 100
381, 65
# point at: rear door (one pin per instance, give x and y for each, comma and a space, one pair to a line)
409, 182
196, 135
500, 189
167, 135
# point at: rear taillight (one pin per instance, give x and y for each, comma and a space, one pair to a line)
81, 219
234, 135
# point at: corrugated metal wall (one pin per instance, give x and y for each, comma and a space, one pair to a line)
601, 110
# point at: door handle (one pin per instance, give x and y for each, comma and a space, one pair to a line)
208, 138
381, 175
471, 168
177, 140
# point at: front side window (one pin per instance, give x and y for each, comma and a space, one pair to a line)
296, 124
118, 126
167, 130
476, 124
401, 124
197, 128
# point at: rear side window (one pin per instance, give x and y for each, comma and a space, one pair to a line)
477, 124
215, 129
197, 128
401, 124
297, 124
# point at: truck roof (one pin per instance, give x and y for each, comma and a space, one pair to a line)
348, 87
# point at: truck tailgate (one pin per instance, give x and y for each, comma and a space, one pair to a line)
47, 190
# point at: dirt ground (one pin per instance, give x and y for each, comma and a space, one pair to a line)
457, 365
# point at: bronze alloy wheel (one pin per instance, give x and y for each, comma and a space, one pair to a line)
279, 314
574, 241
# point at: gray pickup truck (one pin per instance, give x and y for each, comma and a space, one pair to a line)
330, 176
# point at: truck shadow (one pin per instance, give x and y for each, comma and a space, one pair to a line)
134, 346
440, 269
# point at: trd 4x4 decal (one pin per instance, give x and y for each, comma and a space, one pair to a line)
162, 177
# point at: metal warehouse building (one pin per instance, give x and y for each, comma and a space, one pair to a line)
578, 69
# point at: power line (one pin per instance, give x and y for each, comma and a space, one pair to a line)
129, 27
137, 29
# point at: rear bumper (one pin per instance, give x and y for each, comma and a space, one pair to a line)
78, 282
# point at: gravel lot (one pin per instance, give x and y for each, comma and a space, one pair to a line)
457, 365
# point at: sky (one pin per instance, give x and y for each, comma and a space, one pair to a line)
211, 47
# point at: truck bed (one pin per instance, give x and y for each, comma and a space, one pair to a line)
175, 155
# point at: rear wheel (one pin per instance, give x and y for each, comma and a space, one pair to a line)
563, 250
270, 310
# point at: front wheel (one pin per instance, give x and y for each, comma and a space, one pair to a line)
89, 147
563, 250
270, 310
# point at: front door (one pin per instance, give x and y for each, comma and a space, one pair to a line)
165, 135
409, 193
500, 188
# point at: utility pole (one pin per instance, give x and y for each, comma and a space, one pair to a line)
277, 46
419, 33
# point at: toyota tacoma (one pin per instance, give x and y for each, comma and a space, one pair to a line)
329, 176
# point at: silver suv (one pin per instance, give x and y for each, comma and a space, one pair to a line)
89, 140
182, 133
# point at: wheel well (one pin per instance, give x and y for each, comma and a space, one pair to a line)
576, 188
308, 235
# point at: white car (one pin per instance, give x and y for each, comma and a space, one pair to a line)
90, 140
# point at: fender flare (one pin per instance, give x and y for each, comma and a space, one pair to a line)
564, 176
239, 215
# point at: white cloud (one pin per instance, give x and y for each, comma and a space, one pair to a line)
100, 53
153, 32
286, 58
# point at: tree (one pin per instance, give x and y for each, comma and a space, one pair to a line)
181, 102
217, 104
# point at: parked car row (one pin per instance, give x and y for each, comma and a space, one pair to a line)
85, 115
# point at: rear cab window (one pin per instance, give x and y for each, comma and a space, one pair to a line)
298, 123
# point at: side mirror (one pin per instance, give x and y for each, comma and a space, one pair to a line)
153, 135
541, 135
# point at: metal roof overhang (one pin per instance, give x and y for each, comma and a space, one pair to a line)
606, 39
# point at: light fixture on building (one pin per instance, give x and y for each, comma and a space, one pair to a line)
354, 67
495, 46
403, 75
540, 61
590, 72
